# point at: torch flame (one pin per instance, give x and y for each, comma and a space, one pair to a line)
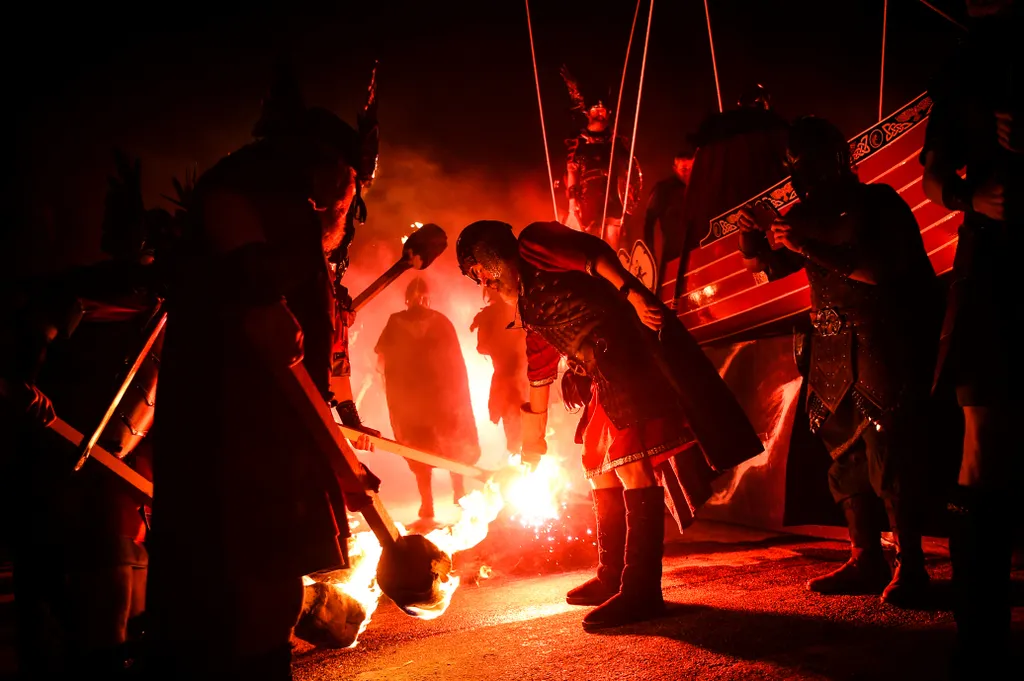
415, 225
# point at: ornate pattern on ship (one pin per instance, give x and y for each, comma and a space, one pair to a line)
862, 147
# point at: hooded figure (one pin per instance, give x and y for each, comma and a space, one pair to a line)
427, 390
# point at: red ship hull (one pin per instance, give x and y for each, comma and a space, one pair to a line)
746, 323
719, 300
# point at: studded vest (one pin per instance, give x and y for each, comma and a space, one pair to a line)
587, 322
874, 339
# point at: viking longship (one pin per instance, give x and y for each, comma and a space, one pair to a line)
752, 327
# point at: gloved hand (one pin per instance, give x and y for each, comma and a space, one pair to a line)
349, 416
535, 427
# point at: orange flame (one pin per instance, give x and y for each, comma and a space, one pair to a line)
534, 497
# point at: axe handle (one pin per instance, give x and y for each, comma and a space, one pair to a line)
418, 455
100, 455
318, 419
381, 283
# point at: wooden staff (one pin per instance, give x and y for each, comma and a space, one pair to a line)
102, 456
412, 568
417, 454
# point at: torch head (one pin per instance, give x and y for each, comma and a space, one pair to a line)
424, 246
411, 573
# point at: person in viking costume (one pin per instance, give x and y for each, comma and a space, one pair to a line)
80, 559
507, 349
341, 364
586, 171
875, 310
659, 423
247, 505
427, 389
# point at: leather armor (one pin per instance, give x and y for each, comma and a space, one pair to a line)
589, 156
856, 341
586, 321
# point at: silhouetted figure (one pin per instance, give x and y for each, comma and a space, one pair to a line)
428, 392
665, 211
977, 124
507, 349
870, 363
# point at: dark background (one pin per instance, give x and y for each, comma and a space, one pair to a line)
177, 85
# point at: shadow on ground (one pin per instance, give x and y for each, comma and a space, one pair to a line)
806, 644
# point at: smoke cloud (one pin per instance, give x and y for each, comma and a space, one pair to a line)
412, 188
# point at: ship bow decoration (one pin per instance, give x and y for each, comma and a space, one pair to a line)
641, 264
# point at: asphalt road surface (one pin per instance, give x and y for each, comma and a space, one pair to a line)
739, 611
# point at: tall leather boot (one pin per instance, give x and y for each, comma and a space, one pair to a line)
867, 571
910, 580
639, 598
610, 510
980, 550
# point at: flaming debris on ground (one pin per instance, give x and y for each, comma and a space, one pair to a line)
522, 521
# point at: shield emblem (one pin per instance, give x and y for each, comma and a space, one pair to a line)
641, 264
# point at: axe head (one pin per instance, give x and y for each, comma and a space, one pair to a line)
424, 246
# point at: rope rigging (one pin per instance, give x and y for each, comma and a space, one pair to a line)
714, 63
615, 125
943, 15
636, 116
540, 105
881, 80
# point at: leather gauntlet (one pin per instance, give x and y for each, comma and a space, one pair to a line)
535, 427
348, 414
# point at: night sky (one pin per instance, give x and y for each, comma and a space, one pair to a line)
174, 86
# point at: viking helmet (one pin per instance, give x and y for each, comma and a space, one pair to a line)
416, 288
579, 102
325, 139
817, 155
488, 243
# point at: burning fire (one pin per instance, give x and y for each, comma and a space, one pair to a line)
534, 498
415, 225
